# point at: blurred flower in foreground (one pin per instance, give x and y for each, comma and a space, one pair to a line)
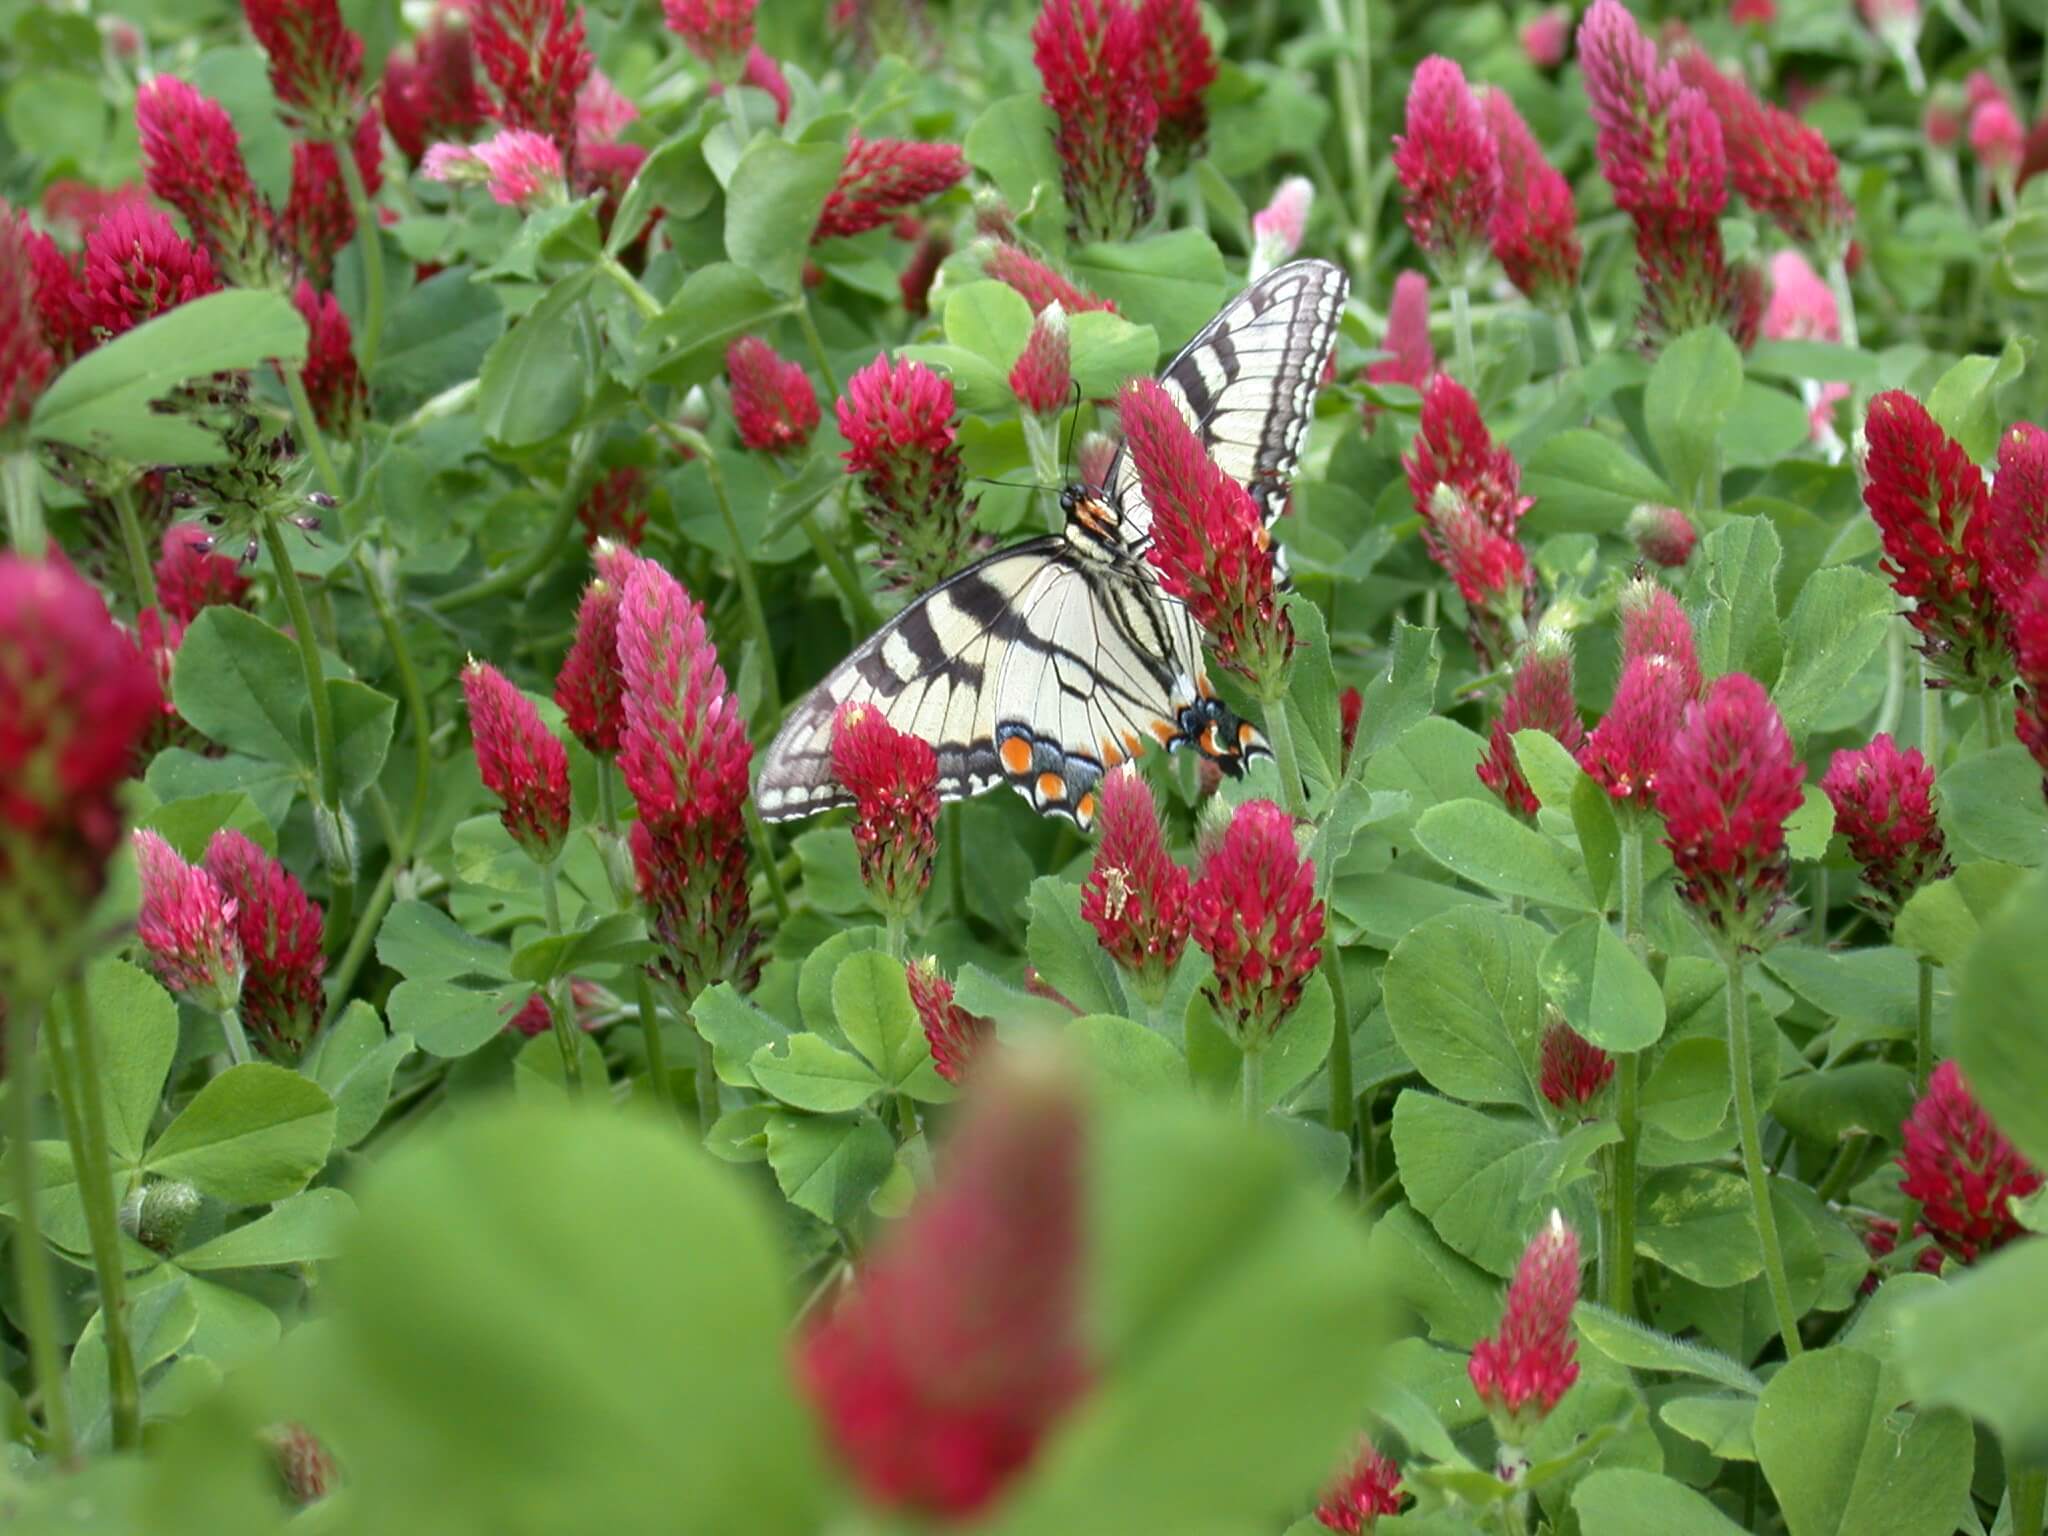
187, 924
1962, 1170
1546, 35
615, 507
1449, 170
959, 1347
1092, 63
1370, 1486
1278, 227
881, 178
1539, 699
897, 419
1043, 378
1255, 915
1884, 806
774, 408
304, 1466
1662, 535
521, 761
1523, 1370
1897, 24
1574, 1069
1725, 790
534, 53
1997, 137
281, 933
522, 169
720, 32
1136, 895
191, 574
193, 159
1534, 228
894, 780
955, 1036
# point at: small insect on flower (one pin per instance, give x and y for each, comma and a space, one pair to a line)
1136, 895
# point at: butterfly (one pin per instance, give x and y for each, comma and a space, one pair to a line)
1047, 664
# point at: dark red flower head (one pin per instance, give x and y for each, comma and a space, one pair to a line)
718, 31
534, 54
894, 780
1136, 896
1368, 1487
1413, 359
1043, 378
1782, 168
1625, 752
1094, 61
1962, 1170
26, 358
187, 925
430, 92
960, 1346
883, 177
136, 268
318, 220
193, 159
956, 1037
589, 688
280, 931
1449, 170
1574, 1069
2030, 662
2016, 516
774, 408
334, 384
1539, 699
1522, 1371
1725, 790
54, 294
1534, 228
1453, 447
1181, 65
615, 507
1663, 535
1884, 806
897, 419
1209, 542
1256, 916
191, 574
1037, 282
1930, 505
522, 762
316, 62
1653, 625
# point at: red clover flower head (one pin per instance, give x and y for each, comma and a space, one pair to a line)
1522, 1371
1782, 168
1255, 914
1884, 806
193, 160
2030, 656
1278, 228
430, 92
136, 268
1453, 447
883, 177
316, 62
26, 359
774, 408
1539, 699
1653, 625
2016, 517
191, 574
1368, 1487
522, 169
1449, 169
1962, 1170
54, 295
318, 221
1662, 535
1574, 1069
1039, 284
1180, 65
1043, 378
959, 1347
955, 1036
1136, 896
1726, 787
1093, 62
1209, 543
1534, 228
615, 507
280, 931
187, 925
1412, 360
1625, 752
334, 384
897, 419
720, 32
589, 689
894, 780
534, 54
521, 761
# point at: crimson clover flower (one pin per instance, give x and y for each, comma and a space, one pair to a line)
318, 220
191, 575
1625, 752
2016, 516
334, 384
187, 925
894, 780
430, 91
280, 931
1654, 625
1042, 378
536, 1016
1884, 806
1539, 699
1255, 914
1725, 789
615, 507
1093, 63
1929, 503
136, 268
1368, 1487
1039, 284
1180, 65
26, 358
1209, 543
1449, 170
1662, 535
774, 408
2030, 655
589, 688
1573, 1069
1468, 494
521, 761
534, 54
1277, 228
881, 178
1962, 1170
956, 1037
1136, 896
1546, 36
1997, 136
192, 158
521, 169
52, 291
897, 419
1522, 1371
1534, 227
1782, 168
1411, 359
720, 32
959, 1347
684, 755
316, 61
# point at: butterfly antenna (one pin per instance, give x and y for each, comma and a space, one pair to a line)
1073, 431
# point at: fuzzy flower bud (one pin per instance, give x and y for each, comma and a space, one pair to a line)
136, 268
1534, 228
897, 419
589, 688
1884, 806
190, 575
26, 359
1037, 282
521, 761
1209, 543
615, 507
1929, 502
1136, 896
187, 924
1255, 914
1278, 227
1625, 752
774, 408
1092, 61
316, 62
1449, 170
1412, 360
1997, 137
718, 31
960, 1345
1043, 379
193, 159
280, 931
1662, 535
1546, 35
1368, 1487
1962, 1170
1574, 1069
956, 1037
522, 169
1782, 168
894, 781
883, 177
1941, 123
1523, 1370
534, 54
1539, 699
1180, 65
1726, 787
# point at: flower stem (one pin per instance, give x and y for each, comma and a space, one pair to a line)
1992, 727
341, 874
817, 345
140, 572
342, 978
765, 853
861, 606
561, 1004
31, 1258
657, 1050
85, 1126
743, 568
415, 708
544, 553
372, 336
2028, 1487
23, 502
1894, 679
1281, 729
1353, 68
708, 1108
607, 798
1621, 1274
1343, 1097
1568, 359
1930, 719
646, 303
237, 1037
1461, 331
1254, 1084
1753, 1155
1923, 1030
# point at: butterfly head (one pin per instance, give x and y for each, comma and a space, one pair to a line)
1091, 512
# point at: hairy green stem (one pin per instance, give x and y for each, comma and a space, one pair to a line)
1842, 1171
23, 503
708, 1107
1343, 1097
141, 572
1845, 298
1461, 333
1281, 729
607, 798
1993, 726
31, 1259
237, 1038
764, 852
646, 303
657, 1049
372, 337
561, 1002
415, 698
1923, 1030
1753, 1155
1894, 679
1931, 742
1353, 68
544, 553
85, 1126
1254, 1084
1621, 1291
865, 619
817, 345
341, 979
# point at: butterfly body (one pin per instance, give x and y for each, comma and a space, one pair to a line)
1047, 664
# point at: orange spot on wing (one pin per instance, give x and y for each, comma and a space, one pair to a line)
1245, 733
1086, 808
1051, 787
1134, 744
1164, 730
1111, 753
1016, 755
1208, 741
